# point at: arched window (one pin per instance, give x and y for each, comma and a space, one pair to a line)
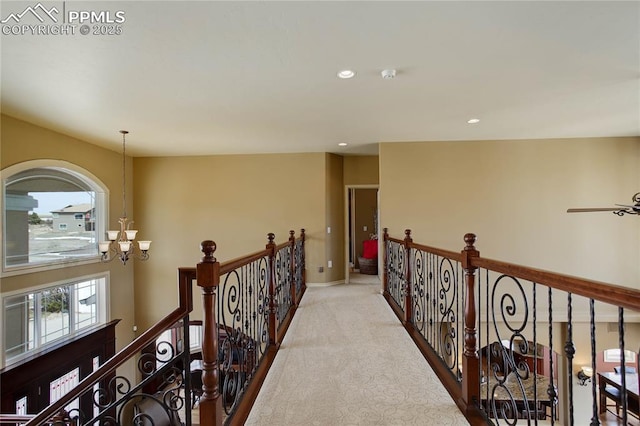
54, 213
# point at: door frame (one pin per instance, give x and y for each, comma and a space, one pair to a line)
347, 228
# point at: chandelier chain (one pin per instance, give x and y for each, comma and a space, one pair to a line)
124, 174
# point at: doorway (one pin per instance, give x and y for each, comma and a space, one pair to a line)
362, 229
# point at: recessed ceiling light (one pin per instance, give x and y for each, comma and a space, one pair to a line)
388, 74
346, 74
473, 121
342, 144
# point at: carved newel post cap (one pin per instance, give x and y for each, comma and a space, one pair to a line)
407, 234
469, 240
292, 233
208, 247
271, 236
385, 230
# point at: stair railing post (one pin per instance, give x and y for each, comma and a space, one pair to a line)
271, 285
385, 261
208, 278
292, 267
302, 263
470, 364
408, 304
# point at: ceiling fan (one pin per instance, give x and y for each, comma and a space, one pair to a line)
621, 210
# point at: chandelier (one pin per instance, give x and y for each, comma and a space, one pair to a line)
121, 244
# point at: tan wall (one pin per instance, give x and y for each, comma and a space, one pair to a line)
361, 170
335, 219
234, 200
21, 142
514, 196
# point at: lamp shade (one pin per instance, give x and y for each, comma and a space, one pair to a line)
144, 245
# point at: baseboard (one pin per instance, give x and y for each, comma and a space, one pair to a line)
329, 284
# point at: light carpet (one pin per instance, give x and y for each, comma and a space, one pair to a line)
347, 360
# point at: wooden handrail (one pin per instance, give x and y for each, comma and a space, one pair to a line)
438, 252
133, 348
230, 265
464, 388
603, 292
207, 276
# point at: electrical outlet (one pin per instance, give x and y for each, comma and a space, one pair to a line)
320, 269
364, 228
328, 229
330, 264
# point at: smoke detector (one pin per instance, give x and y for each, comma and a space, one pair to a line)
388, 74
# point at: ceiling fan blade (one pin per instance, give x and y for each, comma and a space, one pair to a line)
596, 209
627, 206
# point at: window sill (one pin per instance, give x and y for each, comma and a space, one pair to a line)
30, 269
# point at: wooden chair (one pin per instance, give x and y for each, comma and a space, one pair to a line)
613, 394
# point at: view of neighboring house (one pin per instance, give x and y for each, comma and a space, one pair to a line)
78, 217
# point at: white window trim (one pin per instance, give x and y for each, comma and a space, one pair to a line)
104, 313
101, 205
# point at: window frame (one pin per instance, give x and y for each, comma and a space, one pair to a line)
103, 314
101, 193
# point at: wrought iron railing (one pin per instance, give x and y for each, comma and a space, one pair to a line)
299, 270
283, 267
509, 342
161, 354
251, 301
395, 270
248, 305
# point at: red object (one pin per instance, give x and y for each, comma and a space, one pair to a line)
370, 249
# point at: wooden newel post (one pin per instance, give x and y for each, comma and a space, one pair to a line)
292, 267
271, 285
385, 260
408, 304
62, 418
208, 278
470, 365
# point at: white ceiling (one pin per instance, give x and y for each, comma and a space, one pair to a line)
192, 78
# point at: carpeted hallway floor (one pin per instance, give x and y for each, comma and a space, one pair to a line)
346, 360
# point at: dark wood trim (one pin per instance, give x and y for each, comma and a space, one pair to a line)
613, 294
108, 368
471, 412
397, 309
58, 346
31, 377
438, 252
251, 393
230, 265
284, 325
